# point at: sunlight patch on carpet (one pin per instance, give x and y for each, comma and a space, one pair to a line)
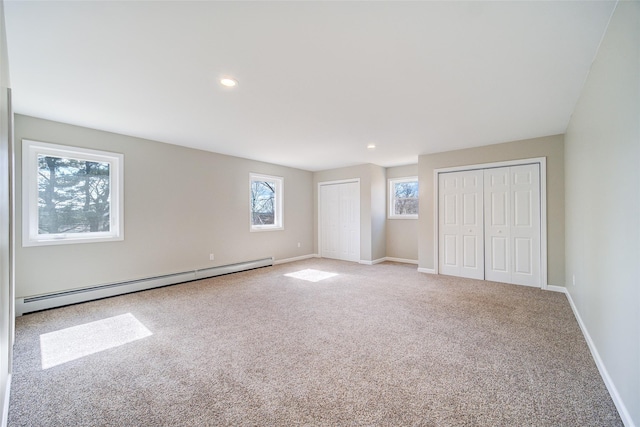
72, 343
311, 275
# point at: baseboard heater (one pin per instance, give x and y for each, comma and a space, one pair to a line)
59, 299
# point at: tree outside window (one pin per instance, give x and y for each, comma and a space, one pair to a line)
265, 202
73, 196
403, 198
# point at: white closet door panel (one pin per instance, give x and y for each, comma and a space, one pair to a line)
522, 206
472, 218
449, 181
344, 235
450, 209
353, 219
330, 221
499, 256
470, 252
324, 225
450, 251
460, 214
448, 218
525, 229
497, 207
523, 256
470, 208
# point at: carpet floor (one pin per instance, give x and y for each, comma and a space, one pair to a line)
371, 345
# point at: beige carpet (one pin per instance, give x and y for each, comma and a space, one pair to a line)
371, 345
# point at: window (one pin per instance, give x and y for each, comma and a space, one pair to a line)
266, 202
403, 198
70, 195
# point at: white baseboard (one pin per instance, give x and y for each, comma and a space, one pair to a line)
555, 288
426, 270
75, 296
362, 261
297, 258
5, 404
375, 261
403, 260
613, 391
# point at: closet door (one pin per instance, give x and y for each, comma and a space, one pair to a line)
339, 217
512, 224
525, 229
330, 221
461, 248
497, 216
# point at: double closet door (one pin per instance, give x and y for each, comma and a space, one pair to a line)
489, 224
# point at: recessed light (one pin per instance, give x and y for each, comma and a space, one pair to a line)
228, 82
371, 146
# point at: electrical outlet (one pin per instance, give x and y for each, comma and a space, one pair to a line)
298, 244
573, 279
211, 257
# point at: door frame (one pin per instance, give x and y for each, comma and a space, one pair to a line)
542, 161
319, 211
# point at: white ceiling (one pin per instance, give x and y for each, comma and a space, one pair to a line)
318, 81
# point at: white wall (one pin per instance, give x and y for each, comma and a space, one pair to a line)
402, 234
6, 297
602, 155
180, 205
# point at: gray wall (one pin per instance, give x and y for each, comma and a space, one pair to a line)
378, 213
602, 152
402, 234
551, 147
180, 205
6, 297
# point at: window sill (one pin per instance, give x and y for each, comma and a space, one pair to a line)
70, 240
259, 229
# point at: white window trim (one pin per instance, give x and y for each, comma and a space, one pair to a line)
30, 152
391, 197
279, 203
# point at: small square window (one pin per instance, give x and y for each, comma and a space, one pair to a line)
403, 198
70, 195
265, 203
